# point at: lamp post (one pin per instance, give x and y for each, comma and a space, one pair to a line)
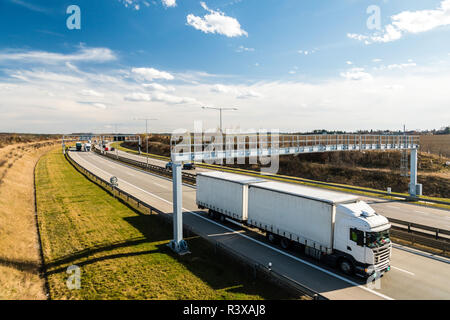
146, 132
220, 112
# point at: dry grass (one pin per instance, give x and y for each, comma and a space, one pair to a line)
437, 144
19, 254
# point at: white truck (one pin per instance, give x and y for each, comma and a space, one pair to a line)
87, 147
333, 227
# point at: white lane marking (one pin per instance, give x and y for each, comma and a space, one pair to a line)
160, 185
262, 243
403, 270
393, 207
418, 211
224, 234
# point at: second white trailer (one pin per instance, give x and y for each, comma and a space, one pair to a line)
224, 193
298, 213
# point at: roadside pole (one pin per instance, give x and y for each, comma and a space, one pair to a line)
177, 244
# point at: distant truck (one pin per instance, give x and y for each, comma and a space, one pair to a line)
336, 228
87, 147
79, 146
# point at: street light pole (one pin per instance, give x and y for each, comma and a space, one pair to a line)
220, 113
146, 134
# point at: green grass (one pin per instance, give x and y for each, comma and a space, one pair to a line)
122, 253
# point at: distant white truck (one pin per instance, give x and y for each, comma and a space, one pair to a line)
333, 227
87, 146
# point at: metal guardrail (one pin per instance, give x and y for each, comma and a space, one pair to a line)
420, 236
271, 275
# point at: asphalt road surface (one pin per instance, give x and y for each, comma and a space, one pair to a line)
414, 274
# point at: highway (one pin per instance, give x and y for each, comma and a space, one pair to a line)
414, 274
429, 216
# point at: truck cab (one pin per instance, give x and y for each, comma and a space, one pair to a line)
361, 240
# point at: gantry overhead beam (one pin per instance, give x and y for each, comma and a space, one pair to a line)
288, 144
239, 146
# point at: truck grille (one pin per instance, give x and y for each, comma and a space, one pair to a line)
382, 256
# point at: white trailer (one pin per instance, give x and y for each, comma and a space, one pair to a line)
334, 227
224, 194
298, 213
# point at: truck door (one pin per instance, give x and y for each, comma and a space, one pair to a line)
355, 245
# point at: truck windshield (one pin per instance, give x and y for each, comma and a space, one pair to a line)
377, 239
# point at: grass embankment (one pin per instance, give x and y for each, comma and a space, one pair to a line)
19, 248
123, 254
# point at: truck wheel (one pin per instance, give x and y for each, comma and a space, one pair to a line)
285, 243
272, 238
345, 266
211, 214
221, 217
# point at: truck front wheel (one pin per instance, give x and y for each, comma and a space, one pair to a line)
345, 266
285, 243
272, 238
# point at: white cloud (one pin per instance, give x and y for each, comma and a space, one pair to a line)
160, 97
134, 4
398, 66
171, 99
377, 60
238, 92
91, 93
247, 94
99, 105
244, 49
307, 52
409, 22
138, 96
349, 62
157, 87
42, 75
169, 3
216, 22
151, 74
44, 57
356, 74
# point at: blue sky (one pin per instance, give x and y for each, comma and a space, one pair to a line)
287, 64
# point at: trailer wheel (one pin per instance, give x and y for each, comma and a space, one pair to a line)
271, 237
285, 243
211, 213
221, 217
345, 266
